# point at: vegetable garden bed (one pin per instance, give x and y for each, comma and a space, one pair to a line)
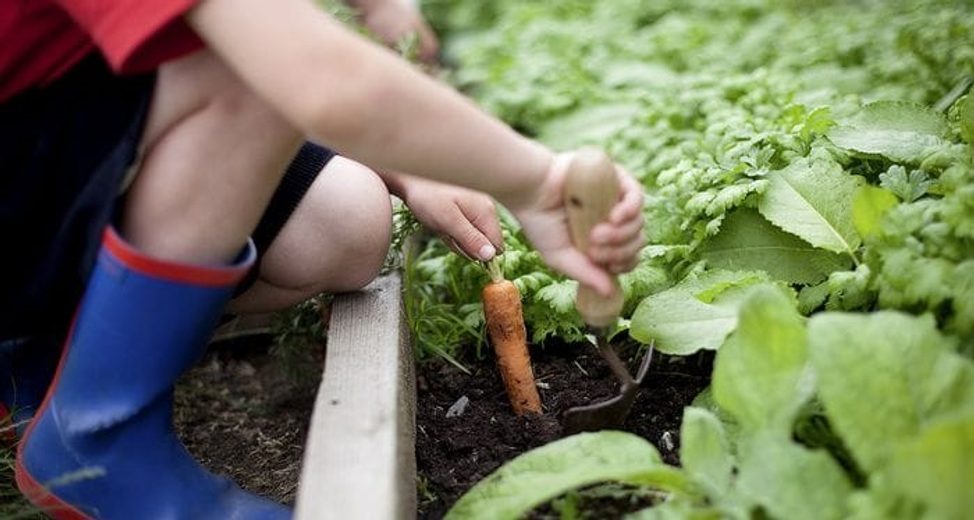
809, 184
465, 428
809, 181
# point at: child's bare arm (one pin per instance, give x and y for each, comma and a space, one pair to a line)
364, 101
369, 105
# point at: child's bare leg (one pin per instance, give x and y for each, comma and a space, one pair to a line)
214, 154
336, 240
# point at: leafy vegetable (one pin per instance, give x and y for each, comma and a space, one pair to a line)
705, 451
898, 395
935, 467
783, 146
555, 468
884, 376
694, 315
813, 199
719, 106
791, 481
900, 131
747, 242
869, 204
760, 376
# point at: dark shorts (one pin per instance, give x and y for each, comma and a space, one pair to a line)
64, 153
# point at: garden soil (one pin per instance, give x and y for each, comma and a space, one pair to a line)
455, 452
242, 416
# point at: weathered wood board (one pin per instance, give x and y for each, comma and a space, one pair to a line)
359, 460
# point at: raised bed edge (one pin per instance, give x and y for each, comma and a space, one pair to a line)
360, 458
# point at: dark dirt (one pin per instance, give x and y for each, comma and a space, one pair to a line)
454, 453
242, 416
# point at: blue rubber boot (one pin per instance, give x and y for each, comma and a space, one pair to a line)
26, 369
102, 443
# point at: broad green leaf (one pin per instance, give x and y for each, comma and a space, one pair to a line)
791, 481
713, 284
705, 451
901, 131
695, 314
553, 469
761, 375
937, 468
747, 241
813, 199
882, 376
868, 207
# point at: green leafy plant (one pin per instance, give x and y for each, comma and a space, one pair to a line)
809, 182
758, 152
898, 404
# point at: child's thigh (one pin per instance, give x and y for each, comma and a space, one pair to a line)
338, 236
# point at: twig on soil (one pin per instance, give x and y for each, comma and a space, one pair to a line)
581, 369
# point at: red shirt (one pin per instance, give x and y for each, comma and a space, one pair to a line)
41, 39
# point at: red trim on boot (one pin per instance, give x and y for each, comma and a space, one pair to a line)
43, 498
211, 276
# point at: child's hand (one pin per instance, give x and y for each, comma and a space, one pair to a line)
393, 20
615, 244
466, 220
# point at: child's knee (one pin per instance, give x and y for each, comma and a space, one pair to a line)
364, 227
338, 237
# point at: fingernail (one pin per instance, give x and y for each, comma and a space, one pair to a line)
486, 252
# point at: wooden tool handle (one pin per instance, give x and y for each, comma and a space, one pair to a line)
591, 190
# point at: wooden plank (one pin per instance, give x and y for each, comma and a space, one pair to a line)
360, 459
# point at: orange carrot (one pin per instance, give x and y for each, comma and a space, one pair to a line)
505, 325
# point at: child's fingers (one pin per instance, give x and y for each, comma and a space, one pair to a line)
609, 235
453, 246
572, 263
631, 200
482, 214
620, 268
429, 46
472, 241
620, 254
